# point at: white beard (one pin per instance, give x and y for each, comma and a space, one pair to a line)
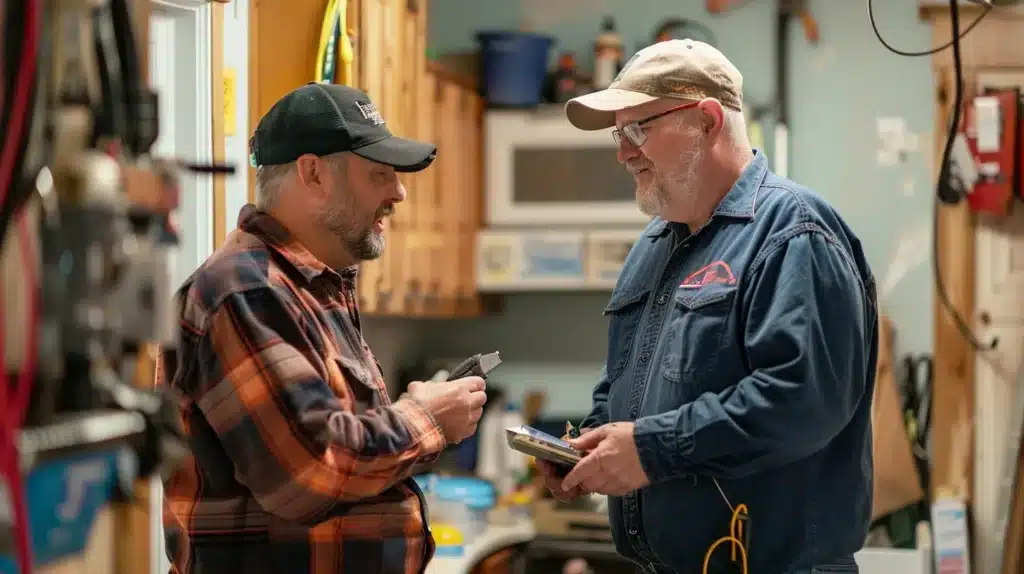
680, 187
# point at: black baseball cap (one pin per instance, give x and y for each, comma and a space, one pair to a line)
322, 119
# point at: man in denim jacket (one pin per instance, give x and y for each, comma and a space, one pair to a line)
742, 343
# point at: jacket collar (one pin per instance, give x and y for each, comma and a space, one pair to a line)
739, 203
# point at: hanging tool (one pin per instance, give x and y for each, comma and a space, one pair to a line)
917, 398
917, 391
722, 6
335, 43
787, 10
799, 9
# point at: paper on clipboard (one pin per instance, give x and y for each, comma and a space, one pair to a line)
533, 442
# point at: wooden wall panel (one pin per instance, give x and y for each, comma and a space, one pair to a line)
990, 45
953, 387
219, 139
283, 37
428, 266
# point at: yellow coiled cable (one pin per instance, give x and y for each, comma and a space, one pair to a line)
735, 537
326, 31
346, 52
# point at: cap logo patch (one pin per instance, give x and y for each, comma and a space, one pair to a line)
686, 90
370, 112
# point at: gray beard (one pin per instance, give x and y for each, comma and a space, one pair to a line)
362, 243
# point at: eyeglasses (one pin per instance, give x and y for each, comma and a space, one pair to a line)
634, 131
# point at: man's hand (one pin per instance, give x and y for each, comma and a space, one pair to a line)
553, 476
456, 405
611, 465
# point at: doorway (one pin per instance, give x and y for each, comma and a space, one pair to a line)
180, 72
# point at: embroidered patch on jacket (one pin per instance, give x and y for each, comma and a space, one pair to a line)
717, 273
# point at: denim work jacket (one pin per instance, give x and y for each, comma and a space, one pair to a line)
745, 352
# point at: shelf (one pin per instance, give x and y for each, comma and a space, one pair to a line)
546, 286
929, 9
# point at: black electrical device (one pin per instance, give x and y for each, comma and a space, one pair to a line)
476, 366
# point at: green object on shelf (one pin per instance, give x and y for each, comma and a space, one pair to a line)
901, 526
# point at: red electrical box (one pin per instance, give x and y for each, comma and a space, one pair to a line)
993, 132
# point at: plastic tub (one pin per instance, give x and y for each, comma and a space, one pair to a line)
512, 67
462, 503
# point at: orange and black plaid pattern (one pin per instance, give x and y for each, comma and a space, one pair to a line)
299, 464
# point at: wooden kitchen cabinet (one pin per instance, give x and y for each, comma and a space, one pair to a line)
428, 268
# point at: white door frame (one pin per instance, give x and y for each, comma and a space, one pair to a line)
183, 28
192, 117
999, 247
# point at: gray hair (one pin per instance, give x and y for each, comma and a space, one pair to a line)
736, 127
268, 183
270, 177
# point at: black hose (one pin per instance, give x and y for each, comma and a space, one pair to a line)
132, 86
22, 184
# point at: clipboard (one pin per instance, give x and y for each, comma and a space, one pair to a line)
533, 442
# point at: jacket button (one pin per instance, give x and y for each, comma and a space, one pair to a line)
662, 299
632, 531
644, 357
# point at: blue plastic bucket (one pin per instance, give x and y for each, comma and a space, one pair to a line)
512, 67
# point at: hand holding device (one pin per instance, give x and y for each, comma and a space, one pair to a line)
456, 405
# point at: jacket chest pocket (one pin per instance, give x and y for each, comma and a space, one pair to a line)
697, 321
624, 311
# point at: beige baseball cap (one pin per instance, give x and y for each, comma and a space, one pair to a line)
679, 69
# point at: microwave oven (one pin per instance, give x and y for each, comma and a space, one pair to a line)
541, 171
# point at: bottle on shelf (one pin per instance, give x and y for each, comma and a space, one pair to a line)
608, 54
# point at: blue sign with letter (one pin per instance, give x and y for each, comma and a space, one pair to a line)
64, 497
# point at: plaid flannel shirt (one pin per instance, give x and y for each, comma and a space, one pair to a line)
299, 464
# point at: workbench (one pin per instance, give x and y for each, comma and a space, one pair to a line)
494, 539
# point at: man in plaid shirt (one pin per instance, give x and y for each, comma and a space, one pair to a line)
300, 463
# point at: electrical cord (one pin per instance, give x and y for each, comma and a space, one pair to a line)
14, 192
113, 116
17, 399
17, 117
735, 537
943, 192
132, 85
20, 104
957, 35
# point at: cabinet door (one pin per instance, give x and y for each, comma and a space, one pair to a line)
283, 40
999, 297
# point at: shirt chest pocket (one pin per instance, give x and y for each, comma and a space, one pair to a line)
624, 310
697, 324
356, 384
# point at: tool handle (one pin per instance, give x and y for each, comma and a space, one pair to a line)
810, 27
468, 368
